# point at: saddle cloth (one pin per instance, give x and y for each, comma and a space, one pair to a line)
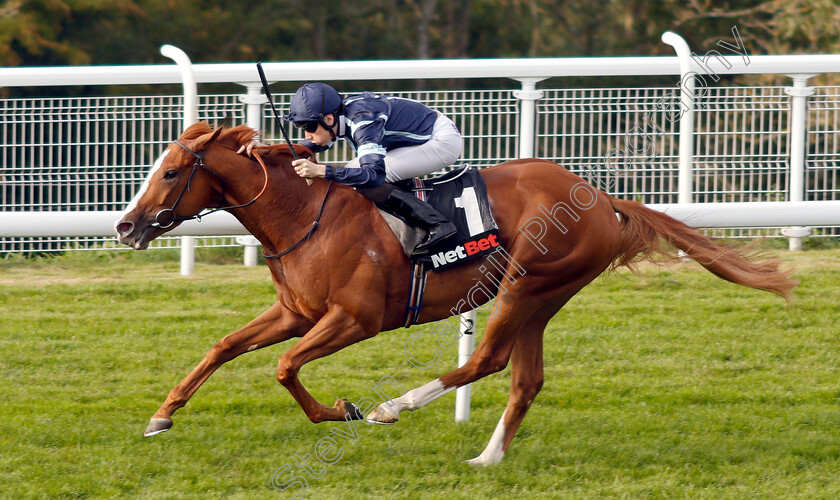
461, 196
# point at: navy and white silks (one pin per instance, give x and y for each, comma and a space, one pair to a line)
394, 139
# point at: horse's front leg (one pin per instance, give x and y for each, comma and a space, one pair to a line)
274, 325
336, 329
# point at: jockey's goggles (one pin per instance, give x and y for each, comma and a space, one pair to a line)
310, 127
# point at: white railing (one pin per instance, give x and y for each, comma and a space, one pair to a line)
707, 215
746, 143
539, 68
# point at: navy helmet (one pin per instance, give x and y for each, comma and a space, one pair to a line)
312, 102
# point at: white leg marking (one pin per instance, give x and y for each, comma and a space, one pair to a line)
493, 454
389, 411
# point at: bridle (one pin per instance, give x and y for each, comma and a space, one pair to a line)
166, 217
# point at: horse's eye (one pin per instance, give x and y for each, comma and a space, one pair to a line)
170, 174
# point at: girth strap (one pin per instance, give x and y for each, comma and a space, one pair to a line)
415, 294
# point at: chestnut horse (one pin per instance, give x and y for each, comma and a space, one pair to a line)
559, 233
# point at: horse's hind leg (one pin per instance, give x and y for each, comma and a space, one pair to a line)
507, 335
491, 355
525, 382
274, 325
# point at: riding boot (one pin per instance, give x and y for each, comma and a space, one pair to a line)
415, 212
420, 214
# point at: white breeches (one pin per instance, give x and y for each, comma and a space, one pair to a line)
440, 151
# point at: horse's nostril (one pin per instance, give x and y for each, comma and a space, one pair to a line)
125, 227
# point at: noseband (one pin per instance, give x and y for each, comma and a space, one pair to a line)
167, 217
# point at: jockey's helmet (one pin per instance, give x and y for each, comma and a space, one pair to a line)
312, 102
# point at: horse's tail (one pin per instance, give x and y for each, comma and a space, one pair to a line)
643, 229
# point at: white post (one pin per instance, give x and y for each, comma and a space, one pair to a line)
686, 86
187, 255
251, 245
465, 349
249, 257
190, 88
253, 101
798, 106
527, 115
190, 117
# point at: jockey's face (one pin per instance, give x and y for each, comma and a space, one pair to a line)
322, 136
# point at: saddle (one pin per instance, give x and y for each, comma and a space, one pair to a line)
461, 197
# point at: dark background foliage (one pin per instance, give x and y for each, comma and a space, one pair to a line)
81, 32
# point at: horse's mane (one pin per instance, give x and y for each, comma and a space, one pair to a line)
239, 135
282, 150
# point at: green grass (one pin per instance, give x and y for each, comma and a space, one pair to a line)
673, 384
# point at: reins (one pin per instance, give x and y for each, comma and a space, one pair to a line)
311, 229
167, 217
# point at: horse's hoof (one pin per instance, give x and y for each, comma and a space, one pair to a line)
349, 409
485, 460
351, 412
382, 416
156, 426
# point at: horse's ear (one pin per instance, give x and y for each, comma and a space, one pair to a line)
207, 139
214, 136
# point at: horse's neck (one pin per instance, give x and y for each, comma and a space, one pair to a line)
286, 207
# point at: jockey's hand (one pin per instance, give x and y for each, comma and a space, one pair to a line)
247, 148
306, 168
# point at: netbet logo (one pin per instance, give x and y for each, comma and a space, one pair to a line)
465, 250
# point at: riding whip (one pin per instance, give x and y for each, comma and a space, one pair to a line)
277, 116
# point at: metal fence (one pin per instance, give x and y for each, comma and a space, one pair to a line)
823, 161
741, 144
88, 154
92, 153
740, 151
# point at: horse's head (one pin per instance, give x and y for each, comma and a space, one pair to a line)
178, 186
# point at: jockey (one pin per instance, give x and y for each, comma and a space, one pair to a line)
394, 139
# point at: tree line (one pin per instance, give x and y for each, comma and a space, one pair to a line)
81, 32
